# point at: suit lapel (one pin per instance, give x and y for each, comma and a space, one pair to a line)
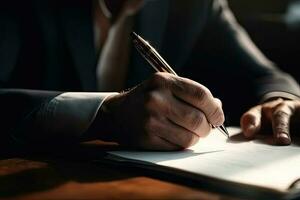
172, 27
185, 22
9, 47
150, 24
78, 28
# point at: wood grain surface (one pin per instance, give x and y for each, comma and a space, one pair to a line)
57, 177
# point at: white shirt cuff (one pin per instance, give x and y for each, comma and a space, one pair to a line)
71, 113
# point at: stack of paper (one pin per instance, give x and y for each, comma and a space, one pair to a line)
235, 160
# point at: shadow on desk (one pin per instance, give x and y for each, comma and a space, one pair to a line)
24, 174
73, 174
39, 175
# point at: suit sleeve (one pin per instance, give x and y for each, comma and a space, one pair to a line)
41, 117
268, 80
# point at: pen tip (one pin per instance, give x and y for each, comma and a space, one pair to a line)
223, 129
226, 131
133, 35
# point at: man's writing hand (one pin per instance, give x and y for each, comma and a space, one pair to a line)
274, 116
165, 112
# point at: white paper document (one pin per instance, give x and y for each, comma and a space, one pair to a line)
236, 159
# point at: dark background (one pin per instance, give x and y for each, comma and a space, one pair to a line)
266, 23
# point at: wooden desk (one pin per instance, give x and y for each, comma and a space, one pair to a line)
60, 178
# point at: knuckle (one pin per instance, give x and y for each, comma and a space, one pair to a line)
204, 130
279, 106
280, 115
201, 95
217, 116
187, 114
286, 106
282, 129
159, 79
189, 140
281, 121
157, 102
152, 100
282, 111
196, 118
178, 113
178, 85
151, 96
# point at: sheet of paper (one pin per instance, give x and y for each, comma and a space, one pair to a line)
235, 159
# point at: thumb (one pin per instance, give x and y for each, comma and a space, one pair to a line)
251, 122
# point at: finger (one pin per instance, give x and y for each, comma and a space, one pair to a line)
188, 117
281, 123
200, 97
158, 143
221, 116
251, 122
175, 134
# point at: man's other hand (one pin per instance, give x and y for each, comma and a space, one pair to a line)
275, 117
165, 112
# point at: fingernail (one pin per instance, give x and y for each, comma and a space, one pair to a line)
283, 139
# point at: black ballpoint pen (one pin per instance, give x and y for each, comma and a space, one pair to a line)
158, 63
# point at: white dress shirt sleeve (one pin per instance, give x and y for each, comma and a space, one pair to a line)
65, 117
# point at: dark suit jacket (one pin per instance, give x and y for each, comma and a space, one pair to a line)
47, 47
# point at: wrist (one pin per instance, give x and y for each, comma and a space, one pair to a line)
102, 126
